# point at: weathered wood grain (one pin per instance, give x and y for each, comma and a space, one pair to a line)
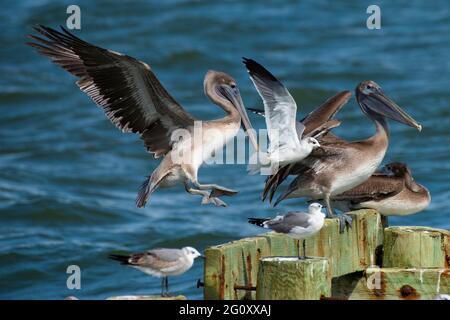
401, 284
416, 247
232, 267
281, 278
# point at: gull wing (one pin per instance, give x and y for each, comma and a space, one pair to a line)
279, 107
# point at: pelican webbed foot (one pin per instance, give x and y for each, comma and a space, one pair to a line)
206, 196
214, 200
344, 221
217, 192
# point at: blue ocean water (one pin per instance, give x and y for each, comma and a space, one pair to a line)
68, 177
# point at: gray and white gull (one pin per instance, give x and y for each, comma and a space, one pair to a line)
296, 224
161, 263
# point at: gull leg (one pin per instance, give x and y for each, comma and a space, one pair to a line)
167, 287
298, 249
304, 249
162, 287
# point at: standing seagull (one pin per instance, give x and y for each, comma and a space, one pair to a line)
341, 165
298, 225
135, 101
286, 142
161, 263
392, 192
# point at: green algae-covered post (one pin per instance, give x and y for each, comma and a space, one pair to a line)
289, 278
364, 262
231, 269
416, 247
401, 284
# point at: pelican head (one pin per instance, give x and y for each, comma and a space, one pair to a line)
222, 90
397, 169
374, 102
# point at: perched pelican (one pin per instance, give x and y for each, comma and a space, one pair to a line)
135, 101
298, 225
339, 165
286, 141
392, 192
161, 263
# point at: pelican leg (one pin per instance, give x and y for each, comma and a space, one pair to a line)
206, 196
330, 211
216, 190
343, 218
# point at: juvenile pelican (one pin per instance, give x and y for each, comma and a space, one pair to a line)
392, 192
135, 101
298, 225
340, 165
286, 142
161, 263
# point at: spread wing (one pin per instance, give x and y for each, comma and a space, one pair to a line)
279, 107
325, 112
320, 121
125, 88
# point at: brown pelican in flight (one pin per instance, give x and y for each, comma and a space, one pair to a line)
135, 101
286, 141
391, 191
340, 165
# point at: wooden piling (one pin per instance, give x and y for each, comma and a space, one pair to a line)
401, 284
364, 262
416, 247
289, 278
233, 266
